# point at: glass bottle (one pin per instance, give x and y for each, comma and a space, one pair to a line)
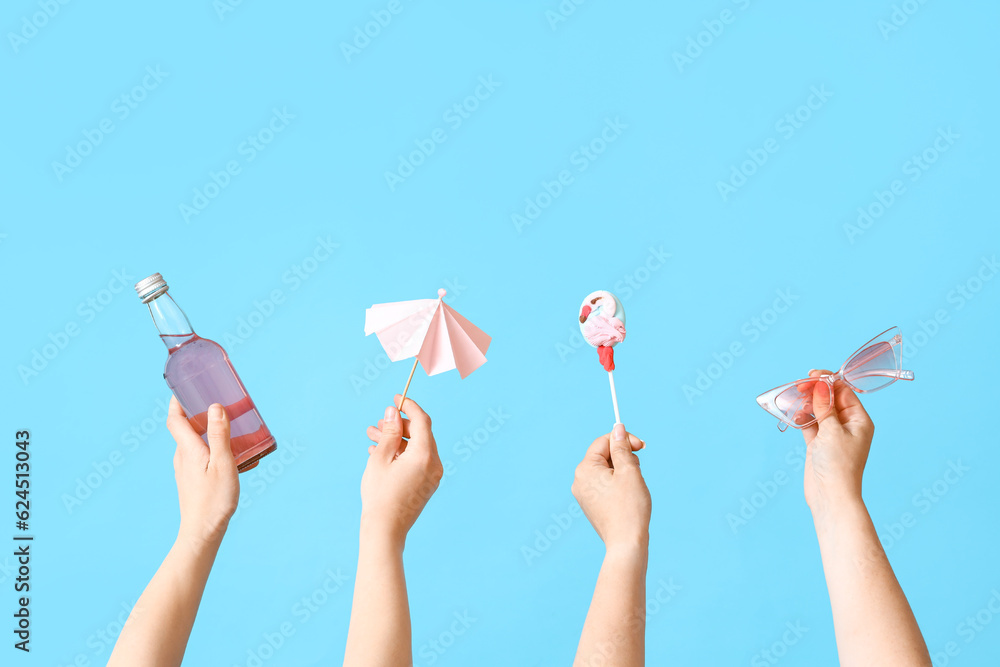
199, 373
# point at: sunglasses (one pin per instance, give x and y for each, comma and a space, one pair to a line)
876, 365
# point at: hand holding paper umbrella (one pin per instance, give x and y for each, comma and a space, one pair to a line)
430, 330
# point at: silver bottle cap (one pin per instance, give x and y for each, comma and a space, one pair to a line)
151, 287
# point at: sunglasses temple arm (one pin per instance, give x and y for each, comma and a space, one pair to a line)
889, 373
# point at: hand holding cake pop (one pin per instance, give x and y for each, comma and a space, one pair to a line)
602, 323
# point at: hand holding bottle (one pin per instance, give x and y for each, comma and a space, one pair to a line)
207, 483
158, 627
403, 471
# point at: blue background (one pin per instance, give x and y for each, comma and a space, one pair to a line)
654, 190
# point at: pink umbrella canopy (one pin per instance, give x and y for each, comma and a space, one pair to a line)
430, 330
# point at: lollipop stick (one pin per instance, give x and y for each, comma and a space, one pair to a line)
407, 387
614, 397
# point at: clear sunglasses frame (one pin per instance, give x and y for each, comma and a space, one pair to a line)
865, 371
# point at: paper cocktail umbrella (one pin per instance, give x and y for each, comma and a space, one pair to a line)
430, 330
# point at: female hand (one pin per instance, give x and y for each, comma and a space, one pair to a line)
837, 446
207, 480
611, 491
403, 471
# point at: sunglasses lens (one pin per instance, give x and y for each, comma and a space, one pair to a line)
796, 402
872, 367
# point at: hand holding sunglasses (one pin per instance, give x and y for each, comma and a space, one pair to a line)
872, 619
876, 365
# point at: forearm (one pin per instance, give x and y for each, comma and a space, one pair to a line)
157, 630
615, 630
379, 632
872, 619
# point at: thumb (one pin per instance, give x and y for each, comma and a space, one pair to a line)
392, 435
853, 415
621, 449
220, 450
824, 407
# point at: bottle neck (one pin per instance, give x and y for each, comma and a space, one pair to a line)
170, 321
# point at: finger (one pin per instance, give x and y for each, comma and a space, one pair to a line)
809, 432
421, 436
599, 452
621, 450
391, 436
824, 407
849, 406
221, 451
182, 431
371, 449
374, 433
420, 421
406, 427
805, 386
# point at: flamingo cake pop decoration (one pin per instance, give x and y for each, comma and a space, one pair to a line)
602, 323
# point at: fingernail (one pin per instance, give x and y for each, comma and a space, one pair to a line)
215, 411
390, 413
643, 443
619, 432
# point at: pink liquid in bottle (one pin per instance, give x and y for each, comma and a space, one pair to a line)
199, 373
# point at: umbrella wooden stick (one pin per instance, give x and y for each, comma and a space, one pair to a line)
412, 370
614, 397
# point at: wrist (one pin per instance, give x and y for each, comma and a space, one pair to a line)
635, 547
199, 543
377, 533
830, 509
